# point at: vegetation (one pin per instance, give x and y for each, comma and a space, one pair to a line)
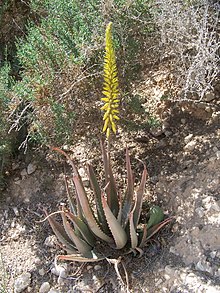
114, 219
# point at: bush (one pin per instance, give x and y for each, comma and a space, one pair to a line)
188, 31
59, 56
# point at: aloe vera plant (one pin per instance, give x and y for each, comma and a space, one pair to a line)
114, 219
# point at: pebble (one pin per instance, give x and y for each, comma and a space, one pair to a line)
60, 271
44, 288
41, 272
22, 282
190, 146
15, 210
51, 241
188, 138
204, 266
209, 96
31, 168
54, 291
183, 121
23, 173
97, 267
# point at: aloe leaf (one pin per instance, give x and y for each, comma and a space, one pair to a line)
139, 198
97, 192
84, 203
153, 230
144, 236
127, 202
133, 234
70, 198
60, 233
83, 247
111, 190
87, 211
82, 227
116, 229
156, 216
79, 258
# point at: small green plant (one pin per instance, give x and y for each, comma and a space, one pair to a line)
114, 219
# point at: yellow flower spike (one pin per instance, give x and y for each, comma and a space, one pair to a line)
110, 85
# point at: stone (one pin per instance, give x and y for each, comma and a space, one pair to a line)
204, 266
44, 288
41, 272
60, 271
22, 282
188, 138
97, 267
15, 210
23, 173
52, 290
51, 241
31, 168
190, 146
209, 96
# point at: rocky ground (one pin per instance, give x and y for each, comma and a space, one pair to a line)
182, 154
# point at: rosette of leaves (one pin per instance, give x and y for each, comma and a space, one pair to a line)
114, 219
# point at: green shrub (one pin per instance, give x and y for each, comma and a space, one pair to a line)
59, 51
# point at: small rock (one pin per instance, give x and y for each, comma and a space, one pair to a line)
31, 168
51, 241
15, 210
15, 166
169, 270
89, 268
44, 288
158, 282
23, 173
60, 271
183, 121
156, 132
54, 291
41, 272
188, 138
167, 277
22, 282
190, 146
204, 266
200, 211
168, 133
209, 96
213, 254
97, 267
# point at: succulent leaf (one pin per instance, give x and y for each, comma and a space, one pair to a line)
82, 228
133, 233
143, 236
127, 202
117, 231
83, 247
87, 211
79, 258
156, 216
97, 192
83, 202
60, 233
153, 230
139, 197
111, 190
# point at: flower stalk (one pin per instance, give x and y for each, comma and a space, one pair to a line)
110, 86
